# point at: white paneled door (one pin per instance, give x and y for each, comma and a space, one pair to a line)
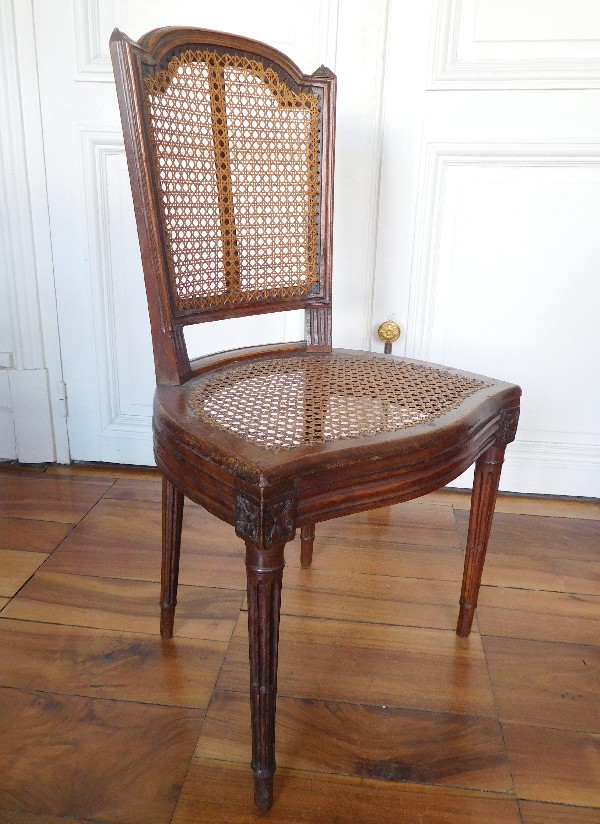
489, 249
467, 206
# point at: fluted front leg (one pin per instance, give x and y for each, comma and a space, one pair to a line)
307, 539
172, 516
264, 569
483, 501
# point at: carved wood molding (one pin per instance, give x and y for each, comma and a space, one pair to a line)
507, 428
265, 522
318, 327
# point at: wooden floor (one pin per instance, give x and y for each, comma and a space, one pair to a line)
384, 715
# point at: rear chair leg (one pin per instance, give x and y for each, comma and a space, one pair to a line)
307, 539
483, 501
172, 516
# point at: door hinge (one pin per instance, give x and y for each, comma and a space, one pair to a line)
62, 398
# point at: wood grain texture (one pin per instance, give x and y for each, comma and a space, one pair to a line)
4, 602
48, 499
540, 616
121, 539
377, 599
543, 506
137, 489
436, 748
371, 664
542, 683
554, 765
533, 812
374, 558
122, 605
411, 522
221, 791
31, 535
552, 574
102, 664
371, 742
16, 568
18, 817
65, 756
541, 537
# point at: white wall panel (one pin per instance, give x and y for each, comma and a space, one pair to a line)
505, 283
516, 44
303, 30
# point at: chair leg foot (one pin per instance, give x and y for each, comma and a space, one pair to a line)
263, 792
167, 619
172, 517
465, 620
307, 539
483, 501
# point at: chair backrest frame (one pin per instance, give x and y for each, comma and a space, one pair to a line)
133, 63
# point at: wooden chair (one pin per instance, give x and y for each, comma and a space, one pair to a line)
230, 150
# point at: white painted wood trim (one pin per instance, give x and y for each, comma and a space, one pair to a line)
25, 226
448, 71
437, 158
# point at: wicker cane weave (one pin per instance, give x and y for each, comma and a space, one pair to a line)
236, 153
287, 402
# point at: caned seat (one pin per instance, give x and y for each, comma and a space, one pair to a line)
230, 153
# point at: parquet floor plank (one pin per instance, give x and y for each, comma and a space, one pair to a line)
17, 567
370, 664
48, 499
221, 792
539, 537
67, 756
136, 489
377, 599
561, 766
551, 574
545, 684
370, 742
374, 558
121, 539
29, 535
123, 605
542, 506
540, 616
412, 522
533, 812
98, 663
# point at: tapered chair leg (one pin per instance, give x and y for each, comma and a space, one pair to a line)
307, 539
483, 501
264, 569
172, 516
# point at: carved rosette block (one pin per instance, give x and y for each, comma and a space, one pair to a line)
265, 522
507, 429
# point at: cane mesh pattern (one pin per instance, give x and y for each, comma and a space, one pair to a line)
288, 402
236, 154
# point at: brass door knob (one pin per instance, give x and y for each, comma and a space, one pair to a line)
388, 332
